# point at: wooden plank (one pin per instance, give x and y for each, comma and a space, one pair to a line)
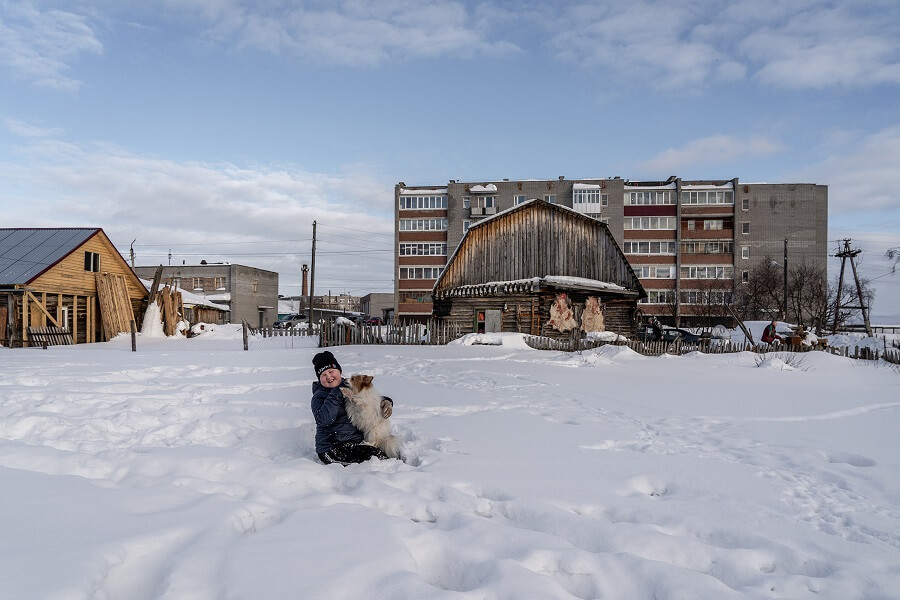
41, 307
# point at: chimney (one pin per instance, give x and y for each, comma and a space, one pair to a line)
305, 287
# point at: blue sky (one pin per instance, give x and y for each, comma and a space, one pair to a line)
222, 130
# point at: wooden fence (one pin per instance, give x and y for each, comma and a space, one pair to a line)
432, 332
680, 348
435, 332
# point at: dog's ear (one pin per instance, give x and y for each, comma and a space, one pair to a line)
367, 380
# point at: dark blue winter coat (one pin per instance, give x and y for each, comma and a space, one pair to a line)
333, 426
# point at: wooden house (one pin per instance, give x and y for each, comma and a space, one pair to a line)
71, 278
542, 269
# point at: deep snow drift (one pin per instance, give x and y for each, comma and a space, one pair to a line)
529, 474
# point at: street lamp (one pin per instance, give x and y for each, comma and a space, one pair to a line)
784, 294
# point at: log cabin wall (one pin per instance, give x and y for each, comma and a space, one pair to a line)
537, 240
530, 313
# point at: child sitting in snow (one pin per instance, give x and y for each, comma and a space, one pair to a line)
337, 440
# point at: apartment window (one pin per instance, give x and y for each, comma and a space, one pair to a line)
420, 272
712, 224
518, 200
707, 272
650, 247
745, 228
219, 283
649, 222
648, 197
423, 202
605, 220
745, 204
197, 283
92, 262
466, 225
423, 249
423, 224
706, 297
655, 271
485, 202
551, 198
589, 197
692, 224
707, 197
467, 202
659, 297
707, 247
745, 252
745, 276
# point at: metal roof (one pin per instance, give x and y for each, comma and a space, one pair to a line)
26, 253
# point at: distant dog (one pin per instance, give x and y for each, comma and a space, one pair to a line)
364, 409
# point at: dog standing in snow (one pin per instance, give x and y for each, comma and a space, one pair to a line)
363, 404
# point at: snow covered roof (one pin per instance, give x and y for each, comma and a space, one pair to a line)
190, 299
480, 189
709, 186
586, 186
639, 186
534, 284
422, 192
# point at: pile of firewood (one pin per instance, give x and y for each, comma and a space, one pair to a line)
171, 306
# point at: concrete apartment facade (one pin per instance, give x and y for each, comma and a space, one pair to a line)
250, 293
690, 242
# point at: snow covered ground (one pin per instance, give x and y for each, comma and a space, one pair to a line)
603, 474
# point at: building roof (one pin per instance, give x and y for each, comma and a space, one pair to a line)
597, 265
25, 253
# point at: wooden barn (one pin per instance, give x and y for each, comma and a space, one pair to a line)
67, 278
541, 269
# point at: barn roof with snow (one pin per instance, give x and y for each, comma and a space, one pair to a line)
538, 244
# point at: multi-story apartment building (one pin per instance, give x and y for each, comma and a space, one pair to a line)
690, 242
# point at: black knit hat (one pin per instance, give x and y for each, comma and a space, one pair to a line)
324, 361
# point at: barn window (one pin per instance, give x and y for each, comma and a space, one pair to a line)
479, 321
92, 262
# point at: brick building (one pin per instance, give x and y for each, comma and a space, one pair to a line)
690, 242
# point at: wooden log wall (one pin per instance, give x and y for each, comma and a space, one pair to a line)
530, 313
537, 241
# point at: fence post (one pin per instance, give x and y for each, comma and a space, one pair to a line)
133, 336
245, 334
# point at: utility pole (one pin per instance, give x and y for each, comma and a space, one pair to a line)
784, 300
844, 254
312, 282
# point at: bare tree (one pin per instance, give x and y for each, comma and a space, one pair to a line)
893, 255
761, 296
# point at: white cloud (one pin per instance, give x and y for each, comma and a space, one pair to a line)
23, 129
710, 150
256, 215
39, 46
350, 32
803, 44
864, 176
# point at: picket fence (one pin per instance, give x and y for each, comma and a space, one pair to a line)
435, 332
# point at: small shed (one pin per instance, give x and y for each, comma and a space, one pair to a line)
542, 269
66, 278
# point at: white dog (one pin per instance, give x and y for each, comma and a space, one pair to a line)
364, 409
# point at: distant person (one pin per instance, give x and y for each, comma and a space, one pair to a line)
769, 335
337, 439
656, 328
